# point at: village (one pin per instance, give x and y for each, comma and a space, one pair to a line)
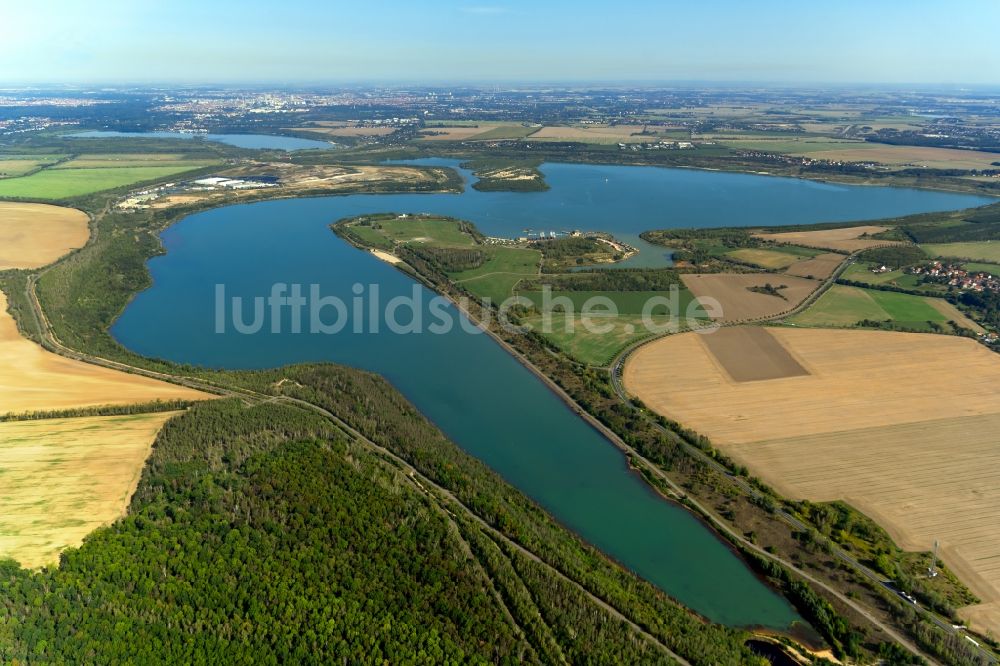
954, 275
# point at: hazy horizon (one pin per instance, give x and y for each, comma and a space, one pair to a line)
773, 43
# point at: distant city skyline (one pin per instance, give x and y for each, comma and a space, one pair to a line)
442, 41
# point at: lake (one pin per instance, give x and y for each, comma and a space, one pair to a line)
480, 396
255, 141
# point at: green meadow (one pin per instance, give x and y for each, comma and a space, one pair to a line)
66, 183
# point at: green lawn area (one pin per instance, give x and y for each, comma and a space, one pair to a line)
907, 309
771, 257
64, 183
594, 348
131, 161
984, 268
846, 306
627, 302
420, 230
11, 168
988, 251
371, 236
860, 273
504, 267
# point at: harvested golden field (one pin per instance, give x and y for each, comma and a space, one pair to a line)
917, 156
763, 257
64, 478
737, 303
32, 379
900, 425
33, 235
456, 132
846, 239
595, 134
819, 267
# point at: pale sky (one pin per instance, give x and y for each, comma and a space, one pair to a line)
273, 41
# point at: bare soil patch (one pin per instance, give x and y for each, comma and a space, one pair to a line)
750, 354
34, 235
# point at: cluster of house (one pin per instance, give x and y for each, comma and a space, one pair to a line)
956, 276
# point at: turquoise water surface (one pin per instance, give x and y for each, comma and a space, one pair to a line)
480, 396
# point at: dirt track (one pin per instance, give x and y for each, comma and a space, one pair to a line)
32, 379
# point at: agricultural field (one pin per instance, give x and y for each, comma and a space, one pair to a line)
133, 160
738, 303
818, 267
64, 478
625, 302
814, 146
986, 251
908, 156
475, 132
605, 134
844, 239
850, 150
765, 258
34, 235
33, 379
845, 306
12, 166
981, 267
899, 425
66, 183
503, 269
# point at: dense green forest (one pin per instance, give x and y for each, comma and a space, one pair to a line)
893, 256
978, 224
729, 237
266, 534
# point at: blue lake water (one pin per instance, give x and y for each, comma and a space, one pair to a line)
481, 397
255, 141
